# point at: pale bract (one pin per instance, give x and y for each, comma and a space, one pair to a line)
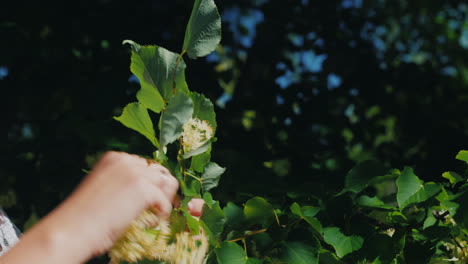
195, 133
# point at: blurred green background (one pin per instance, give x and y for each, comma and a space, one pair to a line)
304, 89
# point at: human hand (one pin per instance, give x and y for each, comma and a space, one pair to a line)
117, 190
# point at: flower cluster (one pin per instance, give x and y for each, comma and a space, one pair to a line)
195, 133
148, 238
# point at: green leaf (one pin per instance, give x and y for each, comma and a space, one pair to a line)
151, 99
198, 151
342, 244
208, 198
397, 217
178, 112
258, 210
296, 209
210, 177
203, 109
136, 117
452, 176
135, 46
203, 32
178, 223
254, 261
314, 223
359, 177
301, 253
430, 220
192, 223
451, 207
462, 216
230, 253
307, 213
154, 66
412, 190
310, 211
373, 202
234, 214
462, 155
200, 161
191, 187
327, 257
214, 218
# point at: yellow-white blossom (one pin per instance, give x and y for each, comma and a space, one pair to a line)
148, 238
389, 232
195, 133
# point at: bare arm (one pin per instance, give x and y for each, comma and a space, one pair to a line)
92, 218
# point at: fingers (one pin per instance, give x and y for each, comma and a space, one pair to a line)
156, 174
161, 177
159, 187
195, 207
158, 201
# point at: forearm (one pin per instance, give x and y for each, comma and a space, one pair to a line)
51, 241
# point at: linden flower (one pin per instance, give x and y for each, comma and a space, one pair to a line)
195, 133
147, 238
390, 232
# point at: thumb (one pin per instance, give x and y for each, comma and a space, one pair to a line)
195, 207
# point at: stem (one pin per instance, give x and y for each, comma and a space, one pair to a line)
181, 153
193, 176
175, 71
456, 242
249, 235
277, 219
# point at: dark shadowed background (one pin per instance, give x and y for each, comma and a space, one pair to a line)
304, 90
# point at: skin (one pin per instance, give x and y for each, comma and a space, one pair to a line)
92, 218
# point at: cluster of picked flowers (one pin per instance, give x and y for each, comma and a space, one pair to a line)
148, 238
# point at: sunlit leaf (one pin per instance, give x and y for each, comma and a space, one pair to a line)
359, 177
296, 209
178, 112
308, 214
430, 220
258, 210
462, 155
199, 161
203, 109
342, 244
413, 190
452, 176
211, 176
154, 66
203, 31
374, 202
202, 149
136, 117
151, 99
214, 218
302, 253
230, 253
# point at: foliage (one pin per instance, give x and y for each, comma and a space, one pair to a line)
415, 218
312, 88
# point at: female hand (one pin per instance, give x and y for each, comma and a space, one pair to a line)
116, 191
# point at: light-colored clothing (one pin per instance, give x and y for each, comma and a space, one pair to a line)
9, 235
